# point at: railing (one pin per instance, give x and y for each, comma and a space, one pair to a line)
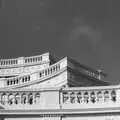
8, 62
88, 96
15, 98
24, 61
94, 97
96, 74
48, 72
23, 70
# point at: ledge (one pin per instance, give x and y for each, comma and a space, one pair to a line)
61, 111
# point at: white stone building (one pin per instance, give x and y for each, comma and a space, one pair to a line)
38, 88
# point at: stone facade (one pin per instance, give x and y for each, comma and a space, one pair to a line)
36, 88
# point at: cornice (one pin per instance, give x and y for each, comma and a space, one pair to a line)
104, 111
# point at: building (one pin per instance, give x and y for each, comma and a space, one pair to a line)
40, 88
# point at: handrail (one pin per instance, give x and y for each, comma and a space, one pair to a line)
24, 60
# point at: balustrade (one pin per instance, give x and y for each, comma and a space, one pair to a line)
68, 97
26, 78
37, 75
18, 80
33, 59
85, 97
27, 98
24, 60
8, 62
49, 71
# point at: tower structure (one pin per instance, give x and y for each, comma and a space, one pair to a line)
39, 87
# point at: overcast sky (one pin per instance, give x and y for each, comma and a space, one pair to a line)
86, 30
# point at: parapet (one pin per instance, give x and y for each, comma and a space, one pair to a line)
24, 61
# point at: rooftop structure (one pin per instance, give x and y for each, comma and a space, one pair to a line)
37, 87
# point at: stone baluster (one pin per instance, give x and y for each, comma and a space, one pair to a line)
99, 96
79, 97
10, 97
109, 95
92, 97
6, 98
37, 98
86, 97
24, 98
72, 97
65, 97
16, 98
39, 59
27, 100
106, 95
0, 97
20, 97
95, 96
34, 93
13, 98
75, 96
113, 96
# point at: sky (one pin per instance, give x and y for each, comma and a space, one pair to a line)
85, 30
